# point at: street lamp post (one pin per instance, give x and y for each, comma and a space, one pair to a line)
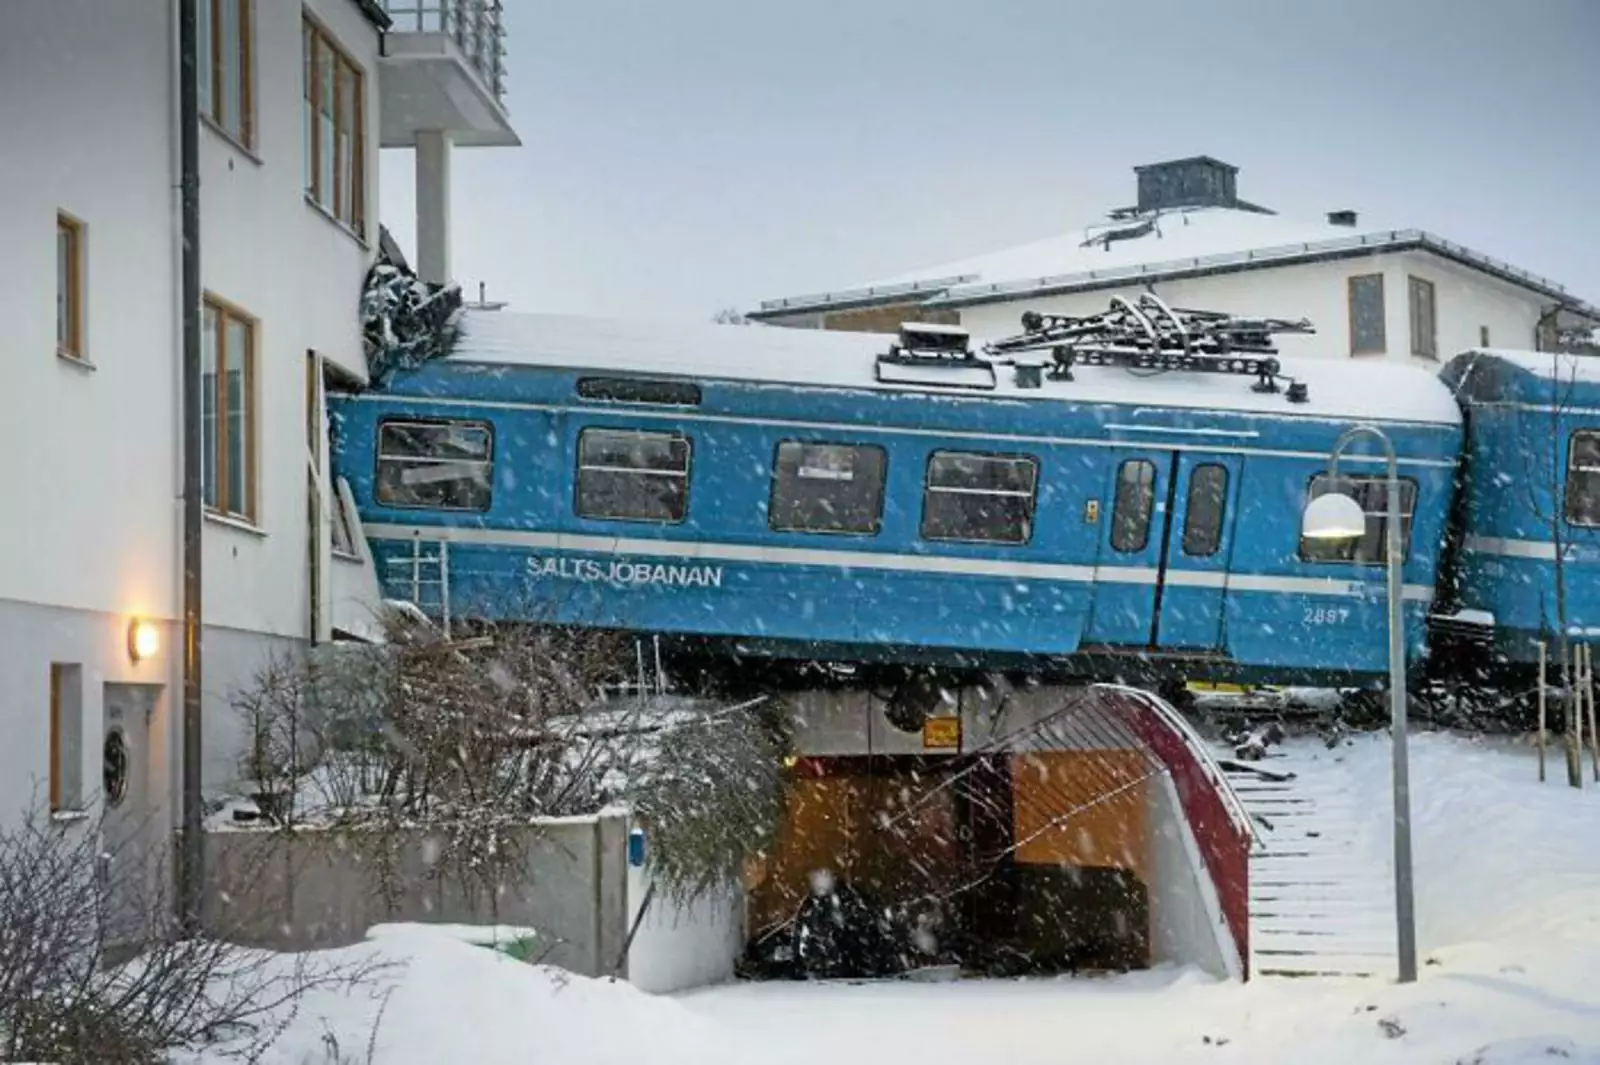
1337, 516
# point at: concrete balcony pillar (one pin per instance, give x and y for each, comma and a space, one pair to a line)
433, 206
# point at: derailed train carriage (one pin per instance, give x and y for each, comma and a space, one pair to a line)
777, 496
1522, 575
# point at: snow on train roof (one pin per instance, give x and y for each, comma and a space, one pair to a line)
777, 355
1551, 366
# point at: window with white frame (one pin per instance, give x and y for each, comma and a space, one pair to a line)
66, 737
227, 400
1367, 333
435, 465
1583, 478
333, 123
227, 67
1134, 506
1424, 318
69, 287
979, 498
633, 475
827, 488
1372, 547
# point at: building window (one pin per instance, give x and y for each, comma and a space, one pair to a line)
827, 488
1424, 319
66, 737
1134, 507
1366, 315
979, 498
334, 121
631, 475
1373, 495
69, 287
1205, 510
227, 397
1583, 478
227, 67
435, 465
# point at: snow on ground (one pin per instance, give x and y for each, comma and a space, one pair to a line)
1508, 875
444, 998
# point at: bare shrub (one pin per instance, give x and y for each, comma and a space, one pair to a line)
70, 912
474, 737
713, 796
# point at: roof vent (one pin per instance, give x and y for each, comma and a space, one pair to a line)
939, 355
1342, 218
931, 340
1029, 375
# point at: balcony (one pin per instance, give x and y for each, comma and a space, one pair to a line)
443, 70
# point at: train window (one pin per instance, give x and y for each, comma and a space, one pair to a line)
1135, 505
436, 465
979, 498
1583, 478
640, 390
1205, 509
827, 488
1373, 495
631, 475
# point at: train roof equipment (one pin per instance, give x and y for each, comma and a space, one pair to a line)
1149, 337
1105, 367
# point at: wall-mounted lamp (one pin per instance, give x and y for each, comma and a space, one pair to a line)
144, 639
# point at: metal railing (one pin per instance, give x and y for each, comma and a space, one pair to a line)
477, 27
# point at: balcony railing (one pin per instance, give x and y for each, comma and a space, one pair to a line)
476, 26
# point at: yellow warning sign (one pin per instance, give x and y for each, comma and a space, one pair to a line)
941, 734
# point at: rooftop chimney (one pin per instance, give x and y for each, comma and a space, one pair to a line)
1342, 218
1199, 181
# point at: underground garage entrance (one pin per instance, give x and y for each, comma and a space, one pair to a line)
1048, 830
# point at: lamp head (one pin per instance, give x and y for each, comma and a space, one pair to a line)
1333, 516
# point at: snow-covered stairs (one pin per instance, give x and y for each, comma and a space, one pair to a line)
1321, 896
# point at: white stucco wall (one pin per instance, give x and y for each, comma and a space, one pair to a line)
269, 252
90, 518
682, 946
1318, 291
85, 94
1186, 922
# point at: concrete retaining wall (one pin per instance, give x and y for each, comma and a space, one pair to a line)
316, 889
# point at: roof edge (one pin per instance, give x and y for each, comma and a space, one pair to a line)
1261, 258
952, 292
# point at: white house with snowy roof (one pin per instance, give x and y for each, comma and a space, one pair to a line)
1398, 293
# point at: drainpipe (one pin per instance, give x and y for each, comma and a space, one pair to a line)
190, 860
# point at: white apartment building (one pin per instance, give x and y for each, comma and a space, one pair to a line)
1370, 293
296, 97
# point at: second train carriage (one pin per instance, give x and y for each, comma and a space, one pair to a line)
760, 490
1530, 480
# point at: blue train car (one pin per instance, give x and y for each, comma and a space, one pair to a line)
763, 490
1530, 490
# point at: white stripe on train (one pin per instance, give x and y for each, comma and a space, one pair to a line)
886, 561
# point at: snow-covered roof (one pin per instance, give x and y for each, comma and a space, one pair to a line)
1173, 243
1338, 388
1185, 233
1549, 365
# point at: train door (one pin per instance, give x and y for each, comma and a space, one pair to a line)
1163, 562
1133, 542
1192, 590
